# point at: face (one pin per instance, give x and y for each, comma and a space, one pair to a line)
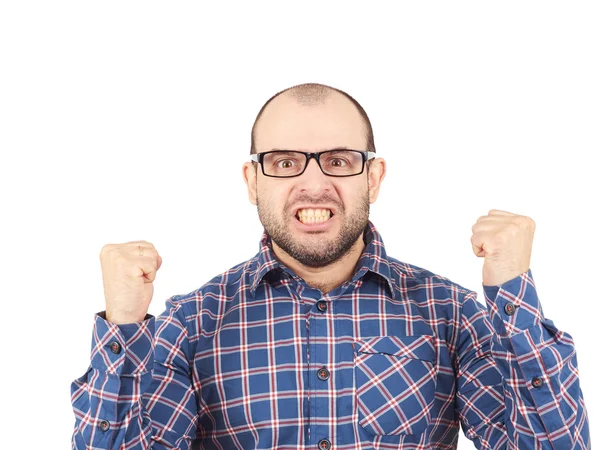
314, 218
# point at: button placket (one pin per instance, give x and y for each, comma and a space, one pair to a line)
319, 330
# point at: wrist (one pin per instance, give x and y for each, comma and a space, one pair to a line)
119, 318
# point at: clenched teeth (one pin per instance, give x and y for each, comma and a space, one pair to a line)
310, 215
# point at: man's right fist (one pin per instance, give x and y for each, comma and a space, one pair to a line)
128, 271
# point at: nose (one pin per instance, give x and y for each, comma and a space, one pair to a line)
313, 179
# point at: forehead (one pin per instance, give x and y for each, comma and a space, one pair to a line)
286, 124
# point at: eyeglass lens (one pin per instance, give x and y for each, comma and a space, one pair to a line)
335, 162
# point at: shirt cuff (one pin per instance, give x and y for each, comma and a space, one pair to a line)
514, 306
126, 349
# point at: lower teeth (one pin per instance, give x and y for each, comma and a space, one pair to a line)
307, 222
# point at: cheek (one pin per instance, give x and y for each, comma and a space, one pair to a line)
352, 197
273, 198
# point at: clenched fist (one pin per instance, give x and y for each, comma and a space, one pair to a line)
128, 271
505, 240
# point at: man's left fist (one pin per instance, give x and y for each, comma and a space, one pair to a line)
505, 240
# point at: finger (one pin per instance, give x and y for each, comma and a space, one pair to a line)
495, 218
148, 268
499, 212
136, 243
477, 250
487, 225
143, 250
477, 244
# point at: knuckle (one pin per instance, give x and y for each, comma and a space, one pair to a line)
513, 227
521, 220
501, 237
105, 249
528, 221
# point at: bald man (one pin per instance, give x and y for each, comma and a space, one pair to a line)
322, 340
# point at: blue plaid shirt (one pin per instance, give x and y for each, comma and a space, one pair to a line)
395, 358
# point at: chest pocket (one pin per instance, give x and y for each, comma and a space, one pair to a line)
395, 380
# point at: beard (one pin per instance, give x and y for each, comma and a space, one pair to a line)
312, 251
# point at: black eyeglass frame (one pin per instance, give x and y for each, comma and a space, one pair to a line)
366, 156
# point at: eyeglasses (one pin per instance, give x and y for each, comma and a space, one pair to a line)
291, 163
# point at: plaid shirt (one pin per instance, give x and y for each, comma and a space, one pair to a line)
395, 358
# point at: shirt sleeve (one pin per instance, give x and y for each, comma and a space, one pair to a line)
137, 392
517, 377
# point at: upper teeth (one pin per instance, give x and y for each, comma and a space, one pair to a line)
310, 214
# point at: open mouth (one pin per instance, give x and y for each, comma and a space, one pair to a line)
309, 216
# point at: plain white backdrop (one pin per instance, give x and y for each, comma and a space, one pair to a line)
122, 121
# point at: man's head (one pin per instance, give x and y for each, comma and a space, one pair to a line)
311, 118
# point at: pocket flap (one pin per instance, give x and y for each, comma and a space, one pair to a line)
416, 347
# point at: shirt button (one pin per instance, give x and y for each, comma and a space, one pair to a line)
322, 306
104, 425
324, 444
509, 309
115, 347
537, 382
323, 374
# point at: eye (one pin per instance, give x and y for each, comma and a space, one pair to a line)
285, 163
338, 162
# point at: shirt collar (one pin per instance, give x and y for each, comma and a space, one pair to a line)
373, 259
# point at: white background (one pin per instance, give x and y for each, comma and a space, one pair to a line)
122, 121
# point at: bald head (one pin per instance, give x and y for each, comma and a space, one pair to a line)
323, 103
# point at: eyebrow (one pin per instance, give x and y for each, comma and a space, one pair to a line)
293, 150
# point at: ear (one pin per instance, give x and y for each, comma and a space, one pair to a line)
249, 174
375, 176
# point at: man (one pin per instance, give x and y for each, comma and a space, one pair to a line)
322, 340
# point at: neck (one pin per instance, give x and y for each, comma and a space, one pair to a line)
324, 278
